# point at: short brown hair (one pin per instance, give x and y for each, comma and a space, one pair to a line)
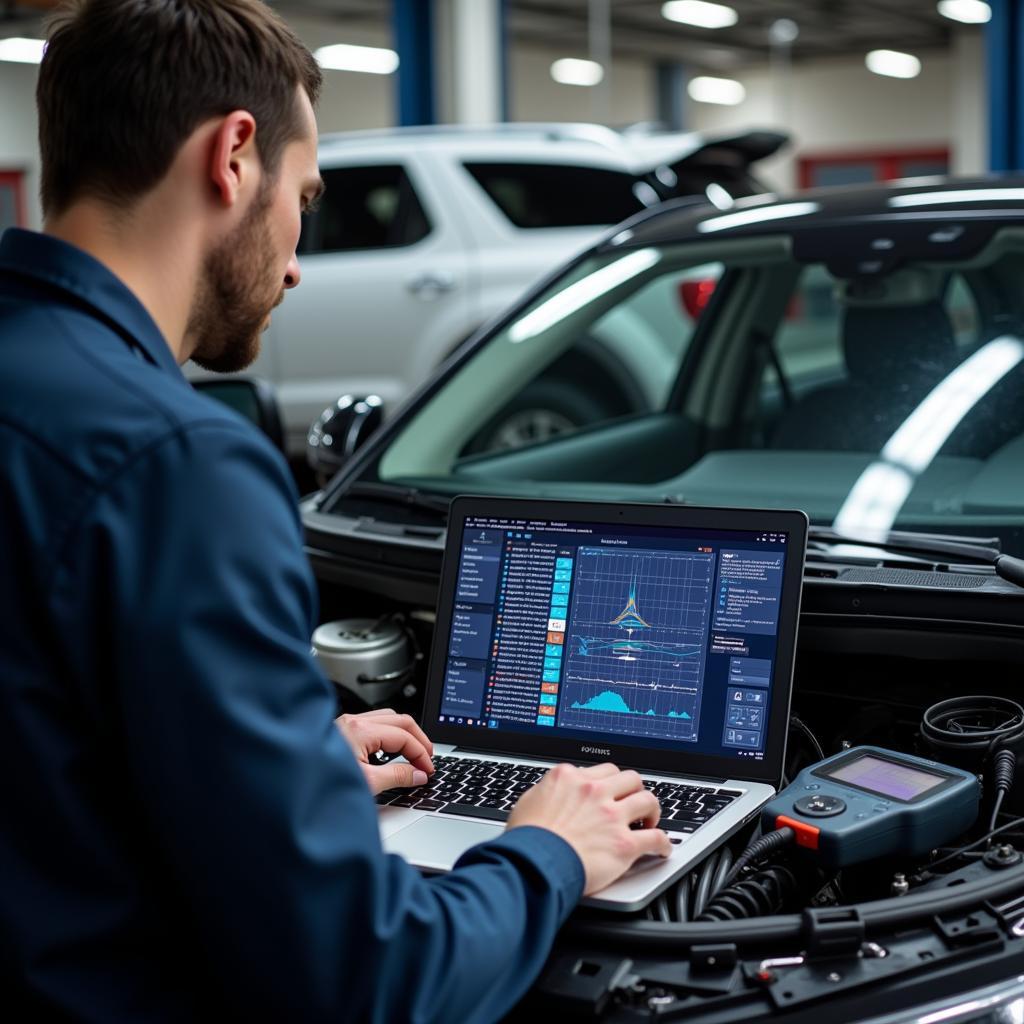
124, 83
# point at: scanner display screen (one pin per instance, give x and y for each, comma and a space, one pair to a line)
887, 778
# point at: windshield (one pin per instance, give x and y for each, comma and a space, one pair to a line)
729, 372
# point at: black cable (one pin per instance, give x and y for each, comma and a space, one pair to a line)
1003, 772
760, 849
762, 893
805, 729
977, 842
703, 890
776, 930
973, 724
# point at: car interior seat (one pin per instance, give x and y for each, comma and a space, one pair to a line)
894, 356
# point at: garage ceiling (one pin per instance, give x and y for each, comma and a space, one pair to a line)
827, 27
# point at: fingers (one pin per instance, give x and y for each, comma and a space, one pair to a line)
624, 783
642, 806
651, 841
601, 771
396, 775
406, 722
368, 735
395, 740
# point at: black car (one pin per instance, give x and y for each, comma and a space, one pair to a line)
855, 353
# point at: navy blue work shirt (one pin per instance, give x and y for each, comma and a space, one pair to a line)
183, 831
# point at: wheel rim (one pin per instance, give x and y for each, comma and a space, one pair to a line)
529, 426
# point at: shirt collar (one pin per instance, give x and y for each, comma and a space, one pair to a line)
64, 266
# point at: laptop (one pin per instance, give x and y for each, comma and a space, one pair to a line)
658, 637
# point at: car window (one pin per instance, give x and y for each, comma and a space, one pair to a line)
868, 401
559, 195
373, 207
578, 361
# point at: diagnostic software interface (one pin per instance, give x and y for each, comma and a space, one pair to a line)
655, 636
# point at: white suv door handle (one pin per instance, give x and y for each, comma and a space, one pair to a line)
431, 283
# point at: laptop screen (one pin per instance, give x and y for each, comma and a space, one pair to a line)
613, 633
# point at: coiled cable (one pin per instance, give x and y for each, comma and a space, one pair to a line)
763, 893
974, 725
760, 849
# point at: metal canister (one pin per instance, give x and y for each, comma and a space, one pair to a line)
370, 658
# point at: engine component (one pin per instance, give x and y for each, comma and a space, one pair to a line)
370, 658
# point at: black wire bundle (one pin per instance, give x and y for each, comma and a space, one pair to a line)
764, 892
760, 849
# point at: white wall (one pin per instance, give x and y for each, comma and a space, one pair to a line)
838, 106
535, 96
350, 100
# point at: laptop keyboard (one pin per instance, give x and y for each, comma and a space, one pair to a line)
477, 788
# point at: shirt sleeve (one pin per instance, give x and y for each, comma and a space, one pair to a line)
262, 816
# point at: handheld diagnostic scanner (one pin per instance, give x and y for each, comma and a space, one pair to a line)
867, 803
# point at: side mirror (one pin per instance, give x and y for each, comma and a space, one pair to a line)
252, 398
341, 429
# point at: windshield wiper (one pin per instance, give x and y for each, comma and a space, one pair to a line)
392, 494
927, 545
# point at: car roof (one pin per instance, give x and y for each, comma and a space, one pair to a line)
917, 199
639, 148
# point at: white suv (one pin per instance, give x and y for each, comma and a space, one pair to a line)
424, 234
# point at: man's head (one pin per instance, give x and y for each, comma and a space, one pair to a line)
217, 92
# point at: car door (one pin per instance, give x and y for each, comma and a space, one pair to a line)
383, 268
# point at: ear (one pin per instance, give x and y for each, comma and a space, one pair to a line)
234, 160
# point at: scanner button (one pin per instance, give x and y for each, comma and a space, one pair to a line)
862, 816
820, 805
813, 785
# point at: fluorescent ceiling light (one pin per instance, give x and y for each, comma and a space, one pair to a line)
967, 195
22, 51
582, 293
742, 218
970, 12
725, 91
345, 57
893, 64
699, 13
570, 71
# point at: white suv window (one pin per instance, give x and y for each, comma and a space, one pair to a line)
559, 195
365, 208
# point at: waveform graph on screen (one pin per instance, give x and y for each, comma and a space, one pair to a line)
636, 645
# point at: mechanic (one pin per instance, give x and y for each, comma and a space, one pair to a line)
185, 831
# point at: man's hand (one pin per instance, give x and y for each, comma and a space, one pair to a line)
394, 734
592, 809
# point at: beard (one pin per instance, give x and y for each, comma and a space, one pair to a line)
235, 296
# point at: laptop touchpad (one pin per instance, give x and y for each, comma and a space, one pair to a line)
439, 842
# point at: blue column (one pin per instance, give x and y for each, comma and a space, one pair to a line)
504, 46
1004, 55
413, 27
671, 81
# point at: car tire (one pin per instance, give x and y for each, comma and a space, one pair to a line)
545, 409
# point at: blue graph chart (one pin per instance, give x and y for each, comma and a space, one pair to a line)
635, 648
